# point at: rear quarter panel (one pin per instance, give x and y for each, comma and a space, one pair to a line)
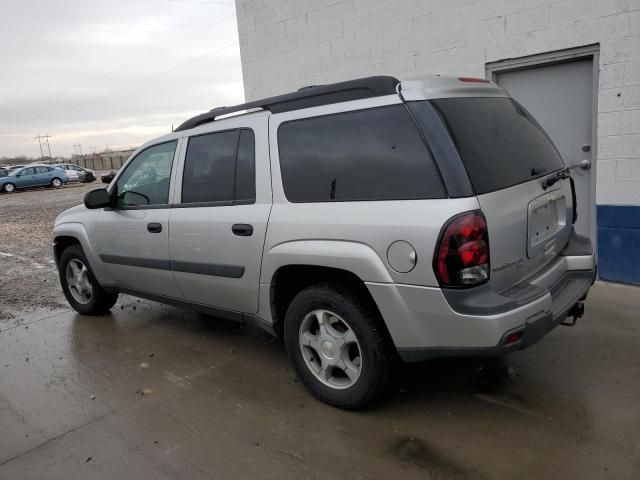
369, 227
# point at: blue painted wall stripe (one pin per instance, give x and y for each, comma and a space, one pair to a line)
619, 243
621, 216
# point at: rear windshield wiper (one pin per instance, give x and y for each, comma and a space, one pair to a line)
554, 177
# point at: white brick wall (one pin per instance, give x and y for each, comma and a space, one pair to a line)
286, 44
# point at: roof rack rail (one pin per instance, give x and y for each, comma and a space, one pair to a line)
312, 96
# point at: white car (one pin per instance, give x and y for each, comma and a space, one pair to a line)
74, 171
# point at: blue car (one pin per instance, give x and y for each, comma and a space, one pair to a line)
33, 176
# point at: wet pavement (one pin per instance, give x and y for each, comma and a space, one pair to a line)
155, 392
150, 391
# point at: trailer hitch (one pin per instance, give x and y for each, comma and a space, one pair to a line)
576, 312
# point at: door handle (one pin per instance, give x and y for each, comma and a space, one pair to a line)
242, 229
154, 227
583, 164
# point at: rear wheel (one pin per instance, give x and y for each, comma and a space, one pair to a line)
8, 188
80, 287
338, 346
56, 183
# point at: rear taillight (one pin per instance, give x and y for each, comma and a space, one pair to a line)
462, 255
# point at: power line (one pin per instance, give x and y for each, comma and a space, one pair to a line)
161, 49
144, 82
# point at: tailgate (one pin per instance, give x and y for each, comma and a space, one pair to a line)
528, 228
507, 156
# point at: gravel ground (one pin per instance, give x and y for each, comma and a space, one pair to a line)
26, 256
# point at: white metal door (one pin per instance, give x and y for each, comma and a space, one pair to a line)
560, 98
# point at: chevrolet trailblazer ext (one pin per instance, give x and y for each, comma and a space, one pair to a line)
360, 221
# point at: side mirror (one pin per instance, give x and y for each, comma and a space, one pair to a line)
134, 199
98, 198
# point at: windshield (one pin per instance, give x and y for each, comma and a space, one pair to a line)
500, 143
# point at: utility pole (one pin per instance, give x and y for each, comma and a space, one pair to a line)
46, 138
79, 147
38, 137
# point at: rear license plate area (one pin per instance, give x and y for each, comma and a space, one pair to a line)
547, 217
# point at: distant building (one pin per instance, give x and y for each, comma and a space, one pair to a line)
111, 160
574, 64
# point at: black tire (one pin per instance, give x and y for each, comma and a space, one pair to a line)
55, 180
377, 351
10, 189
101, 301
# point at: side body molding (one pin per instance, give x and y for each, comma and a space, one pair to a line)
355, 257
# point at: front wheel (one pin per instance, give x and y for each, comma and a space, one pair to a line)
80, 287
8, 188
338, 346
56, 183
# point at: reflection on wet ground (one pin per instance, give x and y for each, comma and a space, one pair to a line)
150, 391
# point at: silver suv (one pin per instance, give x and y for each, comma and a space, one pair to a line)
362, 222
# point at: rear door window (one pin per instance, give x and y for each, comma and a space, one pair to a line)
373, 154
219, 167
499, 142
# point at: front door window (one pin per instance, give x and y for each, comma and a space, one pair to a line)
146, 179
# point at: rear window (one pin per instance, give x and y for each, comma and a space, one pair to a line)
499, 142
373, 154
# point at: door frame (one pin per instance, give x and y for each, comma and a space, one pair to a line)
592, 52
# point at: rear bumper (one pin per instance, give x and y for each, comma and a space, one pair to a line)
426, 322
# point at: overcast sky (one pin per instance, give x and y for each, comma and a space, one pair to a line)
111, 72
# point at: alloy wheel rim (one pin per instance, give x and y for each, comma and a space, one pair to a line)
78, 281
8, 187
56, 183
330, 349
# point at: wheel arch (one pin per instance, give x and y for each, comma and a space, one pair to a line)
288, 266
74, 233
289, 280
61, 243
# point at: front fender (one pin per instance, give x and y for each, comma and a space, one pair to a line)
78, 231
357, 258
